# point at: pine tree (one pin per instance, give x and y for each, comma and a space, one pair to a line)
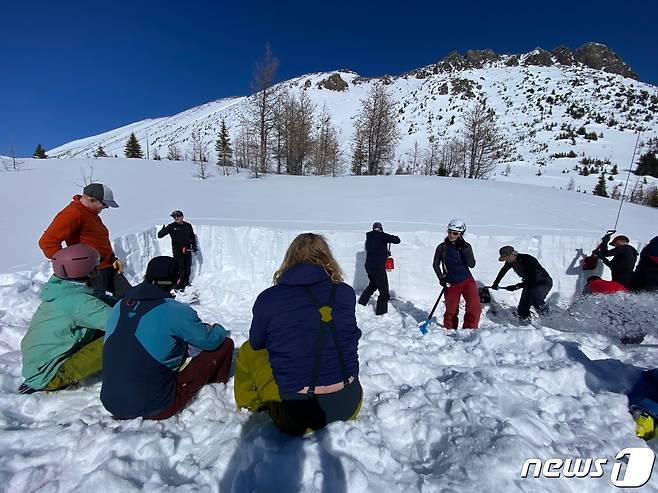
224, 148
39, 153
647, 165
100, 152
614, 170
133, 149
616, 194
601, 189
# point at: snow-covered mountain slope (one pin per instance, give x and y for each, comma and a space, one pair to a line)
535, 95
450, 411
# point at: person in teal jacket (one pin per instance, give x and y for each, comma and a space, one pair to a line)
63, 343
146, 347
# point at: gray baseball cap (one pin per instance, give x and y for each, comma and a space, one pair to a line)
100, 192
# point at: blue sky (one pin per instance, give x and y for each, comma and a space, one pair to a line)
72, 69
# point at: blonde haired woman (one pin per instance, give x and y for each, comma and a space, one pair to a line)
300, 362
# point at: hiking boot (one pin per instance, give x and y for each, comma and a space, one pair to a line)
525, 320
24, 389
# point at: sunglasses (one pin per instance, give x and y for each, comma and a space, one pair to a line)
453, 233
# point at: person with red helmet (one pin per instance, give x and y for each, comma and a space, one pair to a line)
64, 343
623, 256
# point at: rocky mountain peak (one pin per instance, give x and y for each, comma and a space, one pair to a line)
592, 55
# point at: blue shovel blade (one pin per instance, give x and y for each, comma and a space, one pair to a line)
424, 326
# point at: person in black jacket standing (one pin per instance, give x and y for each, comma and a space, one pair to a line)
453, 260
536, 283
376, 254
183, 243
623, 260
645, 277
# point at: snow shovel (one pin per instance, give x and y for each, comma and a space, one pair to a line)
424, 326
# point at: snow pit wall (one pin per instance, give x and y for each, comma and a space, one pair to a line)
243, 259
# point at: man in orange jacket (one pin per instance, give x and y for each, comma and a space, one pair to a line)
79, 222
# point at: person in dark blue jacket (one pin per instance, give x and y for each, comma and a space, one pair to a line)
301, 362
376, 254
453, 259
145, 349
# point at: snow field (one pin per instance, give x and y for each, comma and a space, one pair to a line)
449, 411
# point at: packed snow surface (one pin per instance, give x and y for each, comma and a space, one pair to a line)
448, 411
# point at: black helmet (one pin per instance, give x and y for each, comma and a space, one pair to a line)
377, 226
176, 214
162, 271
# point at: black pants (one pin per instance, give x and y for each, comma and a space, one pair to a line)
378, 282
108, 280
534, 296
184, 266
297, 413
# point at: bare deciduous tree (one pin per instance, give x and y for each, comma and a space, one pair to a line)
11, 163
173, 152
297, 128
413, 159
199, 155
376, 132
263, 103
483, 142
278, 130
246, 147
326, 149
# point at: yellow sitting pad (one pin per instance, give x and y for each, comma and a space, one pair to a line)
325, 313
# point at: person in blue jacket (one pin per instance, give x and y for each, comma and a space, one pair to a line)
146, 344
301, 363
376, 254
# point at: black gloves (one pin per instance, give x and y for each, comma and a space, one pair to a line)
443, 282
494, 286
514, 287
460, 243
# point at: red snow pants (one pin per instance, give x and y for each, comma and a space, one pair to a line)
205, 367
469, 290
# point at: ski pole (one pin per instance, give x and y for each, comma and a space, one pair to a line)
423, 327
621, 202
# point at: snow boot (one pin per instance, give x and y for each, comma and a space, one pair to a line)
382, 307
365, 297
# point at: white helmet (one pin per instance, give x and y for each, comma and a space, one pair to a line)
457, 225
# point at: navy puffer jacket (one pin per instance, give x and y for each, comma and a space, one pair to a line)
286, 322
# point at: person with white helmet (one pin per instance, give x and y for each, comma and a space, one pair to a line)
453, 260
64, 343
